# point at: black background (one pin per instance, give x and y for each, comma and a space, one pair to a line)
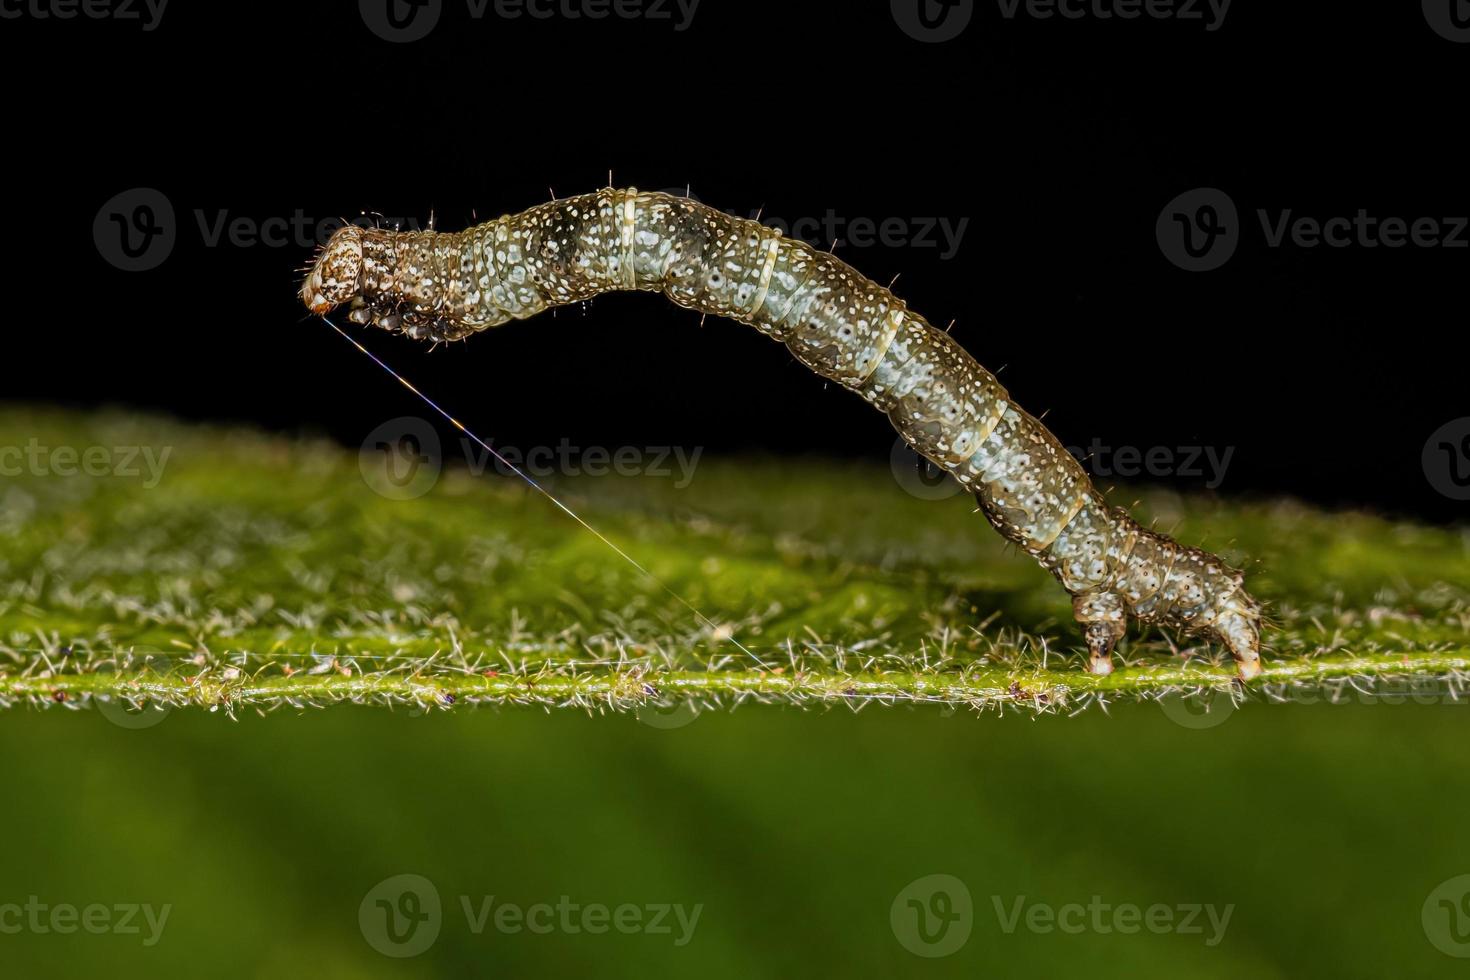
1060, 140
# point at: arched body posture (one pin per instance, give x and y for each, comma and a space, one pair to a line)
435, 286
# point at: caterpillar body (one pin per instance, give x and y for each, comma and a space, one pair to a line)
439, 286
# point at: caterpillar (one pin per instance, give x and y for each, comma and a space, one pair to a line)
436, 286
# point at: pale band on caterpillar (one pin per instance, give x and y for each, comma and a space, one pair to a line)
440, 286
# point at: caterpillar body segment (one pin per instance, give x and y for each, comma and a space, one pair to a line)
445, 286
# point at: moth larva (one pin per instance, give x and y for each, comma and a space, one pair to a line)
435, 286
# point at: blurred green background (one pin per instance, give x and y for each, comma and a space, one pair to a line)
1326, 827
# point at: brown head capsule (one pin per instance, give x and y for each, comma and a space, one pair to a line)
397, 280
335, 276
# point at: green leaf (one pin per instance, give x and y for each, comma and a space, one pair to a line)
147, 562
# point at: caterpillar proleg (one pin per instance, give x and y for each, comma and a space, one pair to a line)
439, 286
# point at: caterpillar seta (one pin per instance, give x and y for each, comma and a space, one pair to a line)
439, 286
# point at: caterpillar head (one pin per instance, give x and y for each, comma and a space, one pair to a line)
336, 276
373, 272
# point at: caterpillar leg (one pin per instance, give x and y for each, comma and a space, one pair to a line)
1104, 620
1240, 630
